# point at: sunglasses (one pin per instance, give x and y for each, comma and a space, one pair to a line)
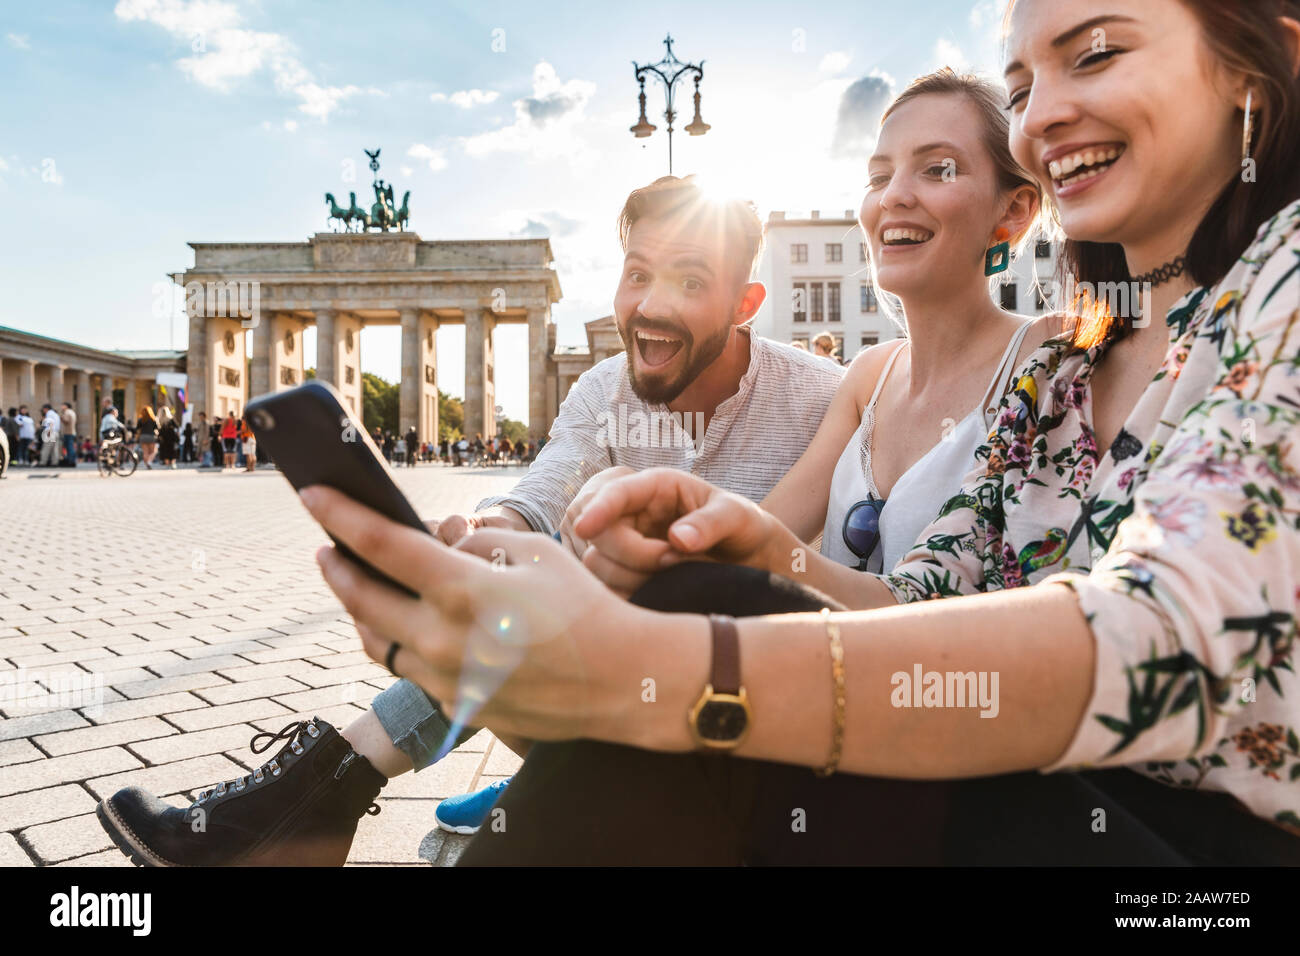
862, 529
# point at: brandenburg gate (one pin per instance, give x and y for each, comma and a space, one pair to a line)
341, 282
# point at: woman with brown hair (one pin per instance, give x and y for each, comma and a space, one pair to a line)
146, 430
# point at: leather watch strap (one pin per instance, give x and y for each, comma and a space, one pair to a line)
725, 677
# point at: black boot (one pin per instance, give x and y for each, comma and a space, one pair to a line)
299, 809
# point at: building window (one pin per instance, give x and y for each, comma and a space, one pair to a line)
834, 252
867, 297
1009, 297
832, 302
800, 341
799, 252
869, 339
818, 299
799, 302
862, 252
1042, 249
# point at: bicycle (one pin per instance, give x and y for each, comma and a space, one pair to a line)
117, 457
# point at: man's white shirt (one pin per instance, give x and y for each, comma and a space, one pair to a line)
753, 439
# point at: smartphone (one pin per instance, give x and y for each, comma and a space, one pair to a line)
315, 440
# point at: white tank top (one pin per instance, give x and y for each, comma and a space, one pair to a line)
920, 492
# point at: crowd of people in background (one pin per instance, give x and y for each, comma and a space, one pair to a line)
45, 440
823, 346
160, 437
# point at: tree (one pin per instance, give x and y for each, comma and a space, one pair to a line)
379, 402
515, 431
451, 417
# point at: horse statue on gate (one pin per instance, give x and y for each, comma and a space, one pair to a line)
356, 214
404, 212
337, 213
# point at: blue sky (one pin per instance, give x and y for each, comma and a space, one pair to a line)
128, 129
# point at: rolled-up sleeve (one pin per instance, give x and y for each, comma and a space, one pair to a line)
1192, 608
577, 448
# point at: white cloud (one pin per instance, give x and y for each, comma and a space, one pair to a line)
466, 99
291, 125
19, 41
544, 122
435, 158
857, 120
223, 52
407, 171
947, 53
837, 61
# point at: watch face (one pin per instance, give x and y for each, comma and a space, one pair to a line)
722, 720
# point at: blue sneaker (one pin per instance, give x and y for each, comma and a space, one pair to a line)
466, 813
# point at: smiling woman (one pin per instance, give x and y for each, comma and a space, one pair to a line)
1120, 54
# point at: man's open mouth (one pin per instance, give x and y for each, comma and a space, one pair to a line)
656, 349
1083, 165
906, 237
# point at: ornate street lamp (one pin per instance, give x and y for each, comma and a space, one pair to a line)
669, 70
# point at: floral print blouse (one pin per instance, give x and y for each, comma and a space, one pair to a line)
1182, 543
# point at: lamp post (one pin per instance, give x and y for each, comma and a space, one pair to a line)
669, 70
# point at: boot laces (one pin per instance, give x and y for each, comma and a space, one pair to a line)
293, 733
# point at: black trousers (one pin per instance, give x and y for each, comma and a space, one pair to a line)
586, 802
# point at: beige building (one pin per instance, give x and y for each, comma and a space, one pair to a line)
35, 369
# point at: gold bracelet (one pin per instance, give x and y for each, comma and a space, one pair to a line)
837, 678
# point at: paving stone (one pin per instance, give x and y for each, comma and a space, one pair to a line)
64, 839
147, 707
502, 761
449, 776
184, 775
249, 711
404, 831
324, 677
39, 806
151, 659
106, 735
331, 696
18, 751
168, 685
195, 744
297, 651
269, 687
53, 770
11, 854
106, 858
295, 669
43, 723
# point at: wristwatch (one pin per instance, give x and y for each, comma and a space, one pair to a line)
721, 717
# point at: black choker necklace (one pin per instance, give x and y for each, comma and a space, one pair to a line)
1162, 274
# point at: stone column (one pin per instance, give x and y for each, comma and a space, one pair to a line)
411, 388
196, 366
128, 400
538, 424
86, 424
429, 412
27, 385
326, 347
480, 414
347, 353
259, 377
57, 397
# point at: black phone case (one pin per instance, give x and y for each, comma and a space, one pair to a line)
315, 440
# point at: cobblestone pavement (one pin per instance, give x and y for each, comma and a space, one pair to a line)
196, 597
